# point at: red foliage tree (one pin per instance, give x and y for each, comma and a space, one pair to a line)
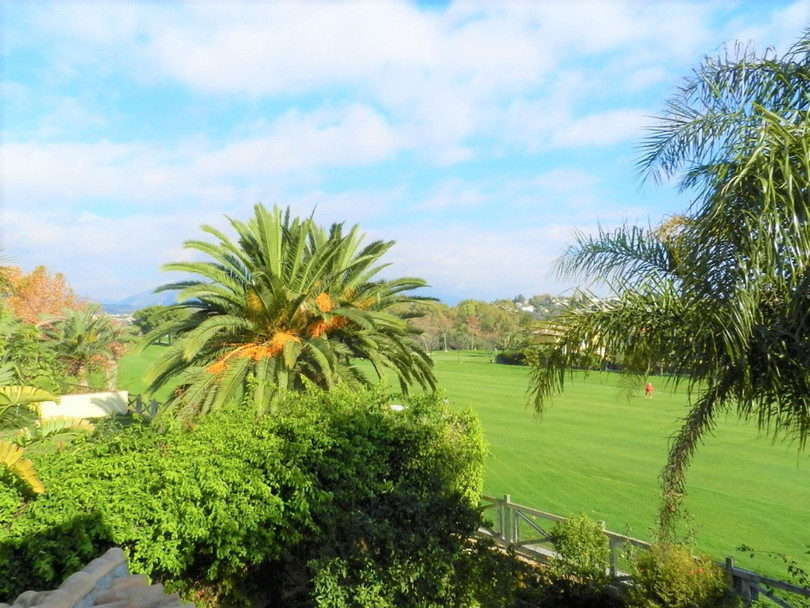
39, 294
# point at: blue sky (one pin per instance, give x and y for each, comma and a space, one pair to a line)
478, 135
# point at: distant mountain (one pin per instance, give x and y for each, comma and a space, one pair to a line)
138, 301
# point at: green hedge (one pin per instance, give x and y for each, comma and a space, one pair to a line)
511, 357
334, 489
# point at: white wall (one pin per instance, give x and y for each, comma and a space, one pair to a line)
91, 405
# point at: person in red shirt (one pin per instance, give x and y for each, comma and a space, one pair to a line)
648, 390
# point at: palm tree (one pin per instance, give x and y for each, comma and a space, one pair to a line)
720, 295
286, 305
84, 339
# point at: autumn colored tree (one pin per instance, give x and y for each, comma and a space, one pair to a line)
39, 294
433, 319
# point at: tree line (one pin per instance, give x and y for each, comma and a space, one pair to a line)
471, 324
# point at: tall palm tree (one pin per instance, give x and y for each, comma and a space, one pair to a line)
720, 295
286, 304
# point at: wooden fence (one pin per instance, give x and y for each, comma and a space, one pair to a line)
528, 532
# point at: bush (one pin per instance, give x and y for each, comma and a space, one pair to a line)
669, 576
404, 489
583, 551
511, 357
196, 508
335, 489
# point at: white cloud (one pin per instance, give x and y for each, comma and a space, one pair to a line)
356, 206
150, 173
603, 128
444, 256
452, 194
777, 29
56, 174
459, 131
106, 257
645, 77
442, 76
355, 135
286, 48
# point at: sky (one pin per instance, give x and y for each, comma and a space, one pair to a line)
477, 135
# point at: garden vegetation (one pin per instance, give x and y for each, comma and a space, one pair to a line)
282, 472
336, 491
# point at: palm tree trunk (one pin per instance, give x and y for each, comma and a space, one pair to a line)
111, 375
81, 376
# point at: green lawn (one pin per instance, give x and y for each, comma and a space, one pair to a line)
599, 452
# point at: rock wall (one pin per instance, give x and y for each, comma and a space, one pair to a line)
103, 583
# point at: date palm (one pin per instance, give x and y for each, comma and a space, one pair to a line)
720, 295
84, 339
285, 305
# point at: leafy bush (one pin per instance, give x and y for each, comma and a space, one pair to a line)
35, 363
195, 508
511, 357
669, 576
583, 550
336, 489
403, 487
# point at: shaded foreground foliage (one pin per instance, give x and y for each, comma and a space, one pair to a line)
335, 489
718, 296
335, 501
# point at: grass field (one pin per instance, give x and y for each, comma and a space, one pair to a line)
599, 452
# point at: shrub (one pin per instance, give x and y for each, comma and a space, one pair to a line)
404, 489
335, 489
511, 357
583, 551
196, 508
669, 576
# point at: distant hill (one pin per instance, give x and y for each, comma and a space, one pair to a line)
138, 301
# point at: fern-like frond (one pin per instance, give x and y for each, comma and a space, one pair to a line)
11, 457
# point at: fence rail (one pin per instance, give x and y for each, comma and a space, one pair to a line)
527, 532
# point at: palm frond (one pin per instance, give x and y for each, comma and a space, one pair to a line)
11, 457
721, 297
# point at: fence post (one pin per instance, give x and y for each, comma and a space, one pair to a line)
498, 517
614, 557
741, 586
507, 519
612, 544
